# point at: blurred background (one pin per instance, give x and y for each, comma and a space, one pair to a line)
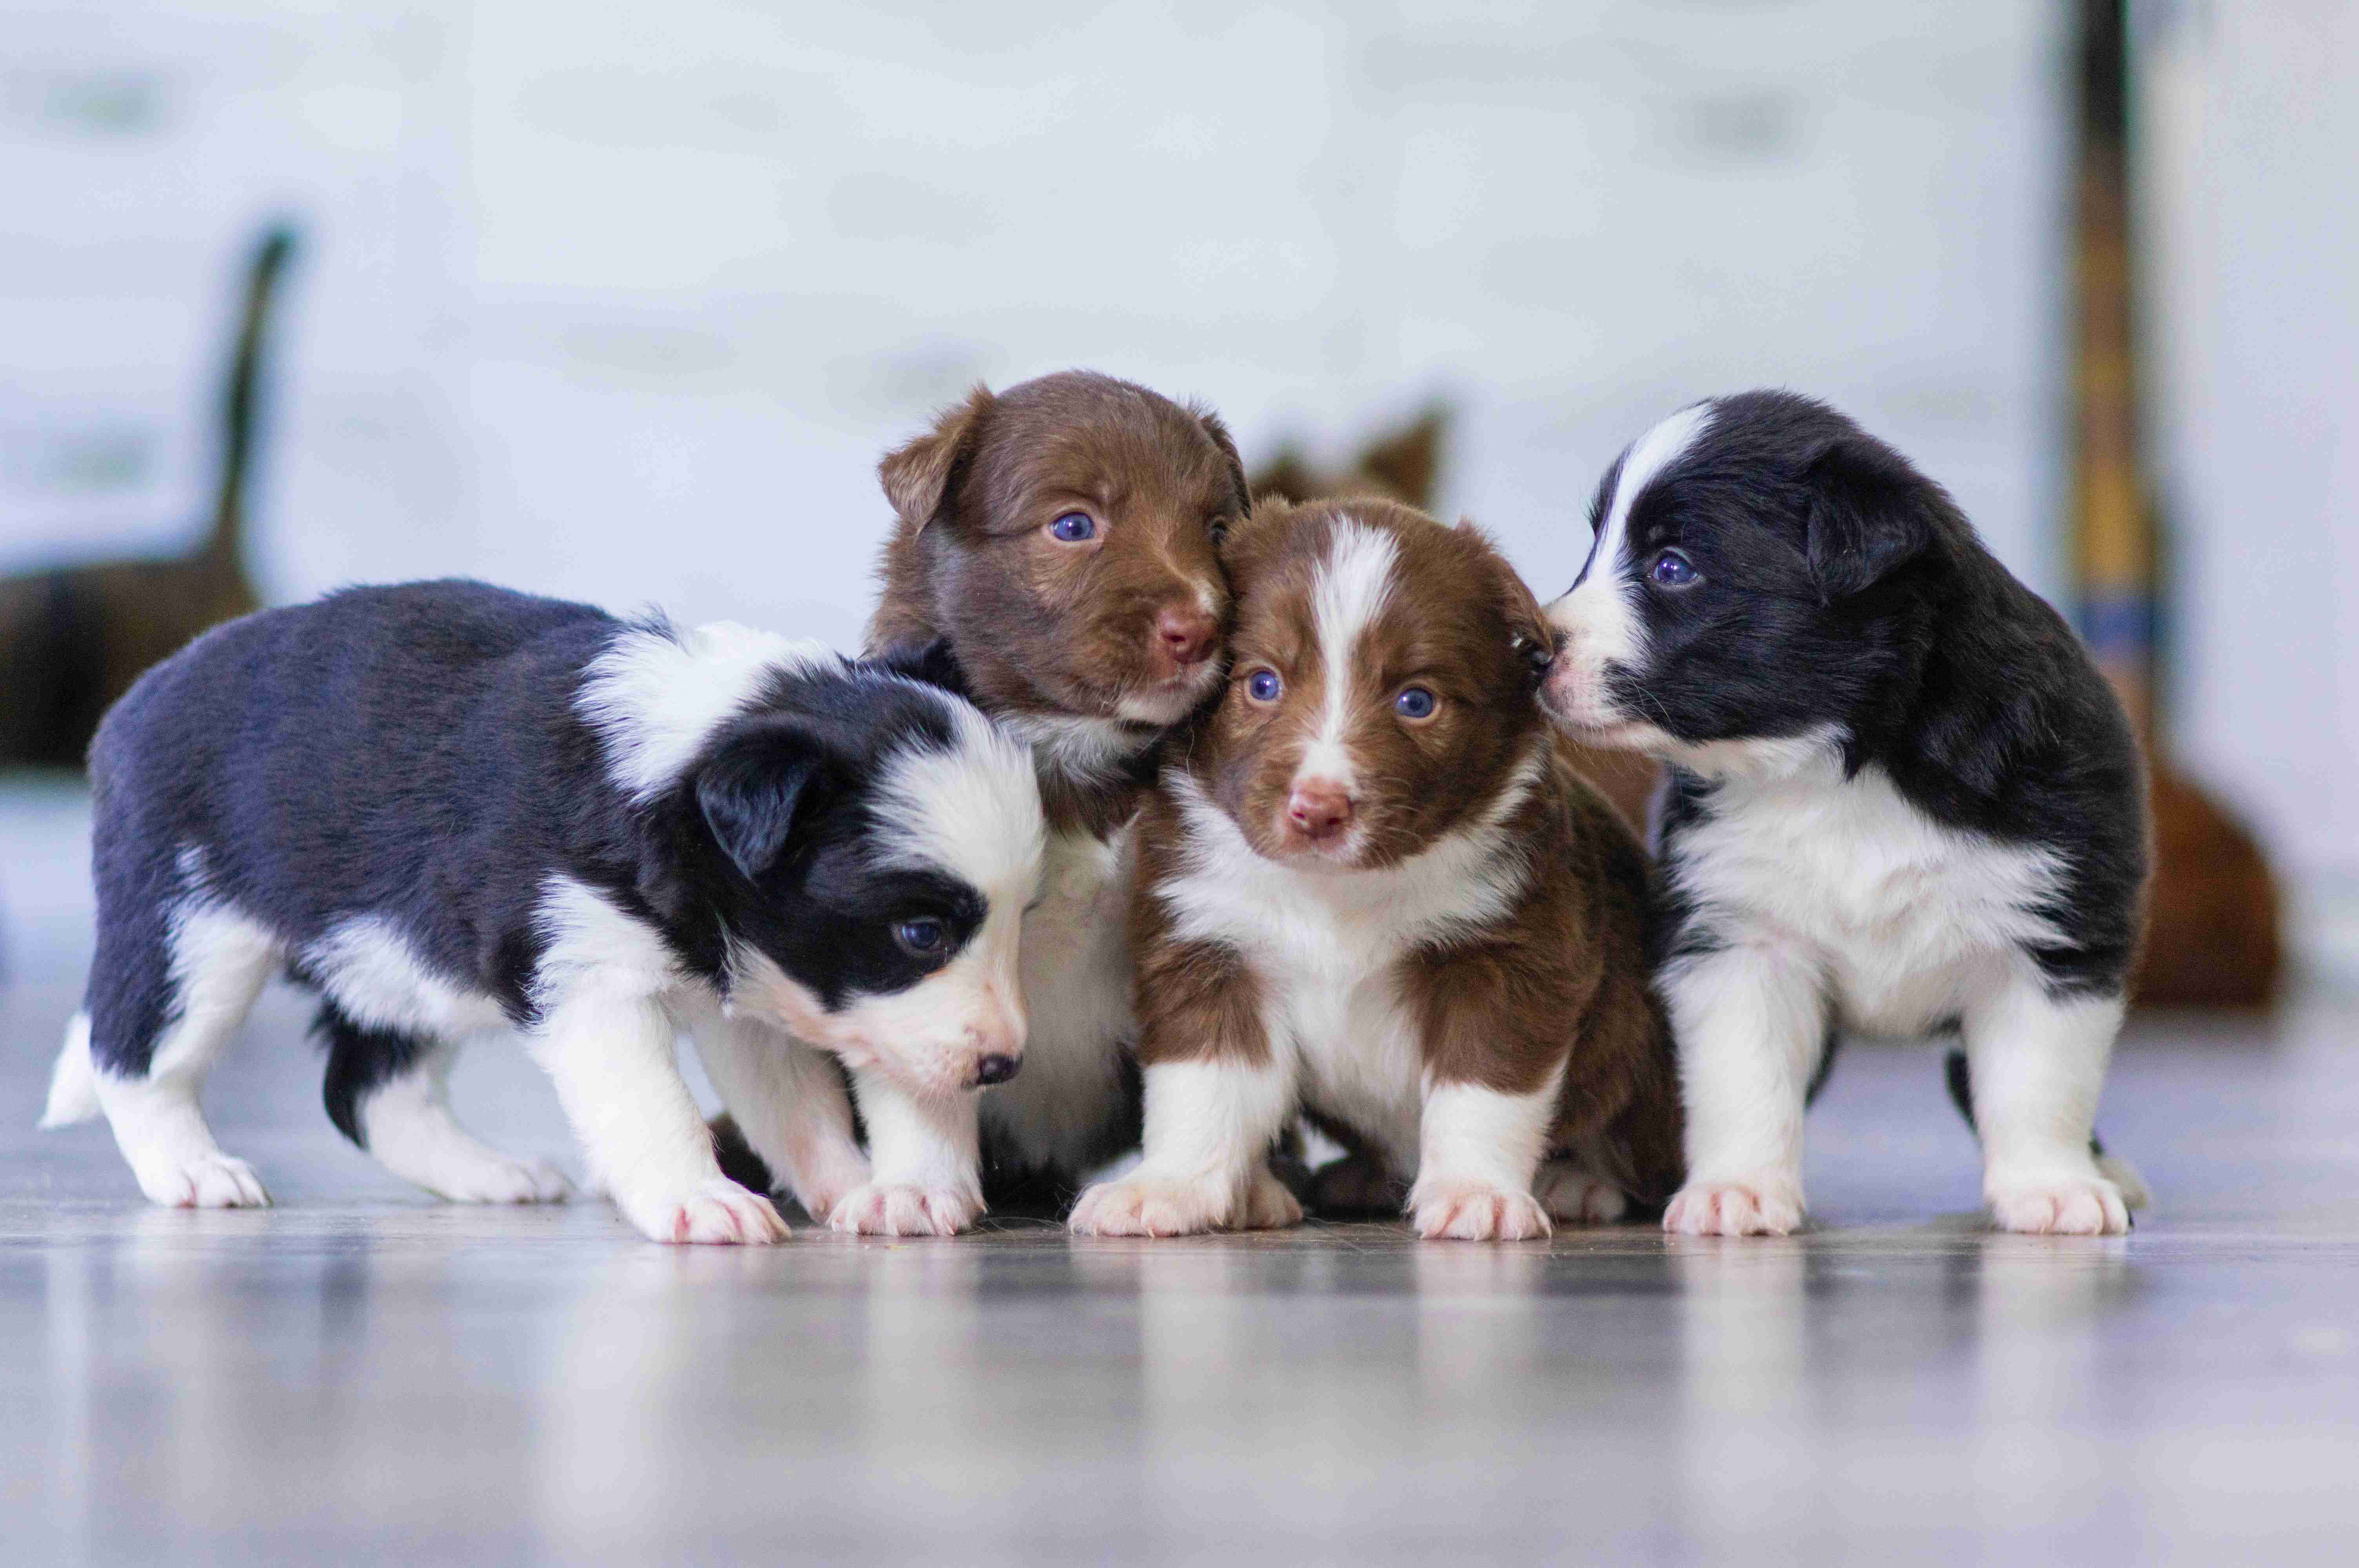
623, 302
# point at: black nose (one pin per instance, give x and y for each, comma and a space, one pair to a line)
996, 1069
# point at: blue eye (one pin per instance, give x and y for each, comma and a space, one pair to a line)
1074, 528
1414, 702
1262, 686
923, 937
1671, 569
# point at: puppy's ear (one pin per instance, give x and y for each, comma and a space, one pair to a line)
1870, 513
753, 789
1531, 641
919, 476
1218, 429
928, 660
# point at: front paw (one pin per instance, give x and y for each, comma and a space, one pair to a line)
2057, 1205
716, 1211
1144, 1206
1268, 1205
1576, 1195
878, 1208
1756, 1205
1475, 1211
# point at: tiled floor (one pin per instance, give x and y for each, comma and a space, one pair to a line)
359, 1375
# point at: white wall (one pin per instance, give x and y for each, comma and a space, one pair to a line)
624, 301
2250, 124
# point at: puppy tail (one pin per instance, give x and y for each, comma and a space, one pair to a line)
73, 1086
2135, 1194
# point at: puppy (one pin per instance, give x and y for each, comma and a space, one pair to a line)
1054, 550
1372, 888
1901, 800
451, 809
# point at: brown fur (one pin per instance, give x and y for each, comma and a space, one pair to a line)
72, 639
1559, 979
1044, 629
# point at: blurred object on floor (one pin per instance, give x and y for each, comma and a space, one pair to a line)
2213, 936
73, 638
1405, 465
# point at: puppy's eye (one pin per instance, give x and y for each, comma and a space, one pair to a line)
1218, 529
1262, 686
923, 937
1073, 528
1415, 702
1671, 569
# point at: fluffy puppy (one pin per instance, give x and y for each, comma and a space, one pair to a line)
1371, 888
1054, 549
1901, 800
451, 809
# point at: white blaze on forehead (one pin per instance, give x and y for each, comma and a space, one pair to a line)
972, 809
1347, 598
1600, 615
654, 698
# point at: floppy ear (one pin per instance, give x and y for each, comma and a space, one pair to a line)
1870, 512
917, 476
1531, 639
1218, 429
753, 789
923, 659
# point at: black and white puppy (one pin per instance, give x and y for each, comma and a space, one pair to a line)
1900, 800
452, 809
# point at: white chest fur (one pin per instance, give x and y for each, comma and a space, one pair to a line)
1904, 916
1075, 960
1326, 947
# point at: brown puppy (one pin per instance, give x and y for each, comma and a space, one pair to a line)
1370, 887
1055, 547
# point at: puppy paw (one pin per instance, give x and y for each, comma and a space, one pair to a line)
1357, 1183
207, 1179
1475, 1211
823, 1185
504, 1181
2057, 1205
1763, 1206
1267, 1206
878, 1208
1574, 1195
717, 1211
1148, 1208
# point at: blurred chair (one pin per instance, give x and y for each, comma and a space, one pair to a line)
72, 639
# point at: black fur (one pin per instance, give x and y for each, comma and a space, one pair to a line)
417, 753
1840, 586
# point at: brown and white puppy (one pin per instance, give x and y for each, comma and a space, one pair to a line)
1372, 889
1055, 550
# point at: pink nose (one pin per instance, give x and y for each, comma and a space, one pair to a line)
1318, 809
1185, 633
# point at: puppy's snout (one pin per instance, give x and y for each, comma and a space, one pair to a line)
996, 1068
1185, 635
1318, 809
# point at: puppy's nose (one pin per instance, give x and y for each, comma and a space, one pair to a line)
1318, 809
1185, 634
996, 1069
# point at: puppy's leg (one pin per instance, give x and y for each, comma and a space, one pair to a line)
925, 1160
201, 977
1568, 1190
1209, 1123
1751, 1026
1477, 1150
2038, 1063
788, 1103
612, 1059
390, 1094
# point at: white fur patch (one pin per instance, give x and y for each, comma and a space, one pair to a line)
595, 948
73, 1084
1325, 943
1599, 616
369, 969
973, 811
1075, 745
1354, 581
655, 700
